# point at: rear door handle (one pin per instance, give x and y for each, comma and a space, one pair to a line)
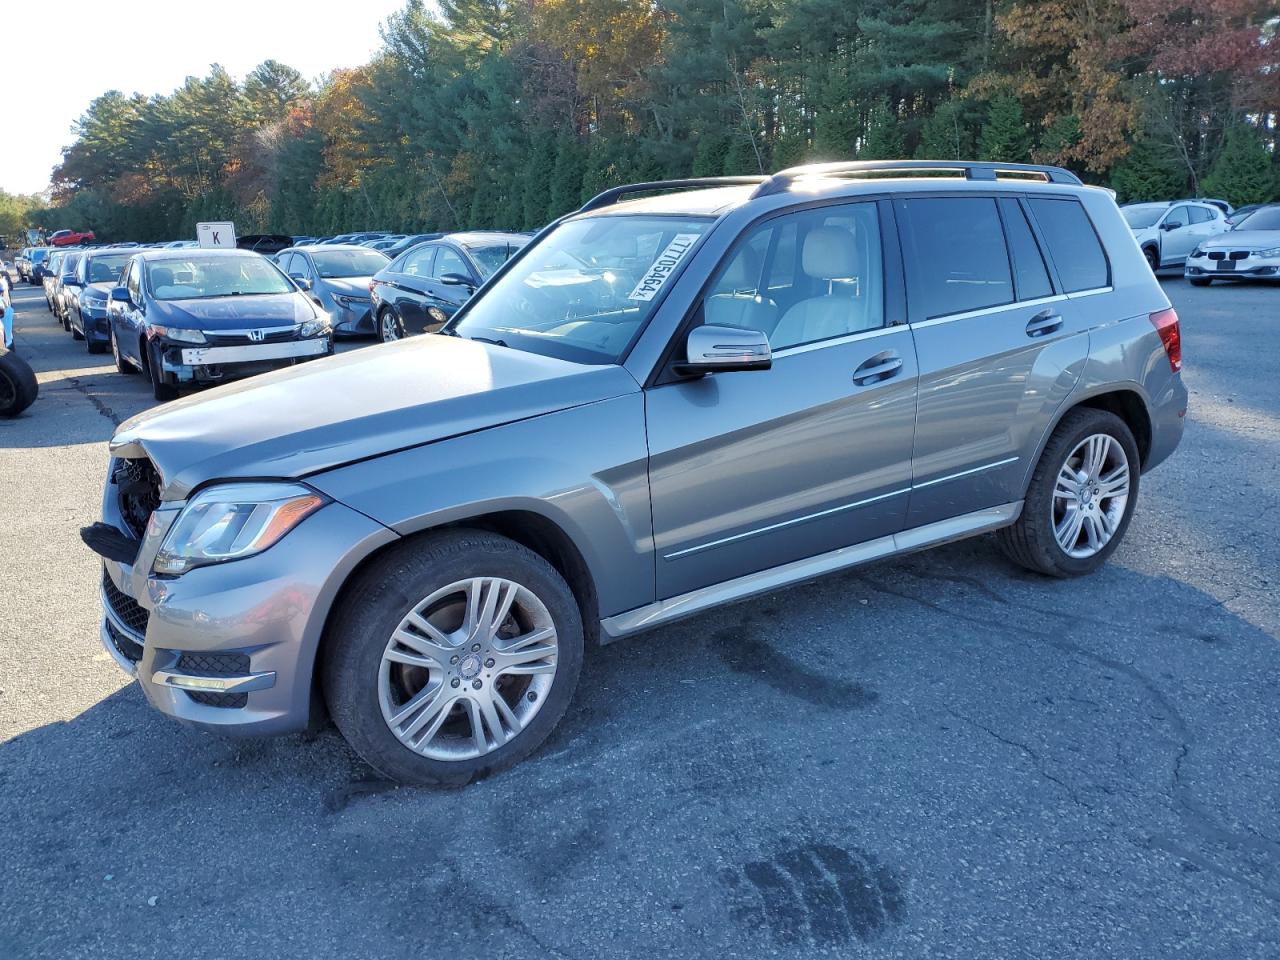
1046, 321
875, 369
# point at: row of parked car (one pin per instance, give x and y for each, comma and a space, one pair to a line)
1209, 239
187, 316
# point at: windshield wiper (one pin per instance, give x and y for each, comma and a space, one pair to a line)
499, 343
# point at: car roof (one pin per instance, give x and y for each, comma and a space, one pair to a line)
324, 247
475, 238
182, 253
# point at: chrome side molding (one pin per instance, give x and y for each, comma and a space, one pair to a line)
665, 611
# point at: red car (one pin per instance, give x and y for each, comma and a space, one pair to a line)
69, 238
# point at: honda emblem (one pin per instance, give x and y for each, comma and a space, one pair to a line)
257, 336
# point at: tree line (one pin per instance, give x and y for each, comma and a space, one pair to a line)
507, 113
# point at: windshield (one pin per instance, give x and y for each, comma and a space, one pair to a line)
106, 269
586, 290
198, 278
1139, 218
493, 255
1268, 218
71, 262
332, 264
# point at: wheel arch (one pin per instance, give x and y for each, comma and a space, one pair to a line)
1126, 401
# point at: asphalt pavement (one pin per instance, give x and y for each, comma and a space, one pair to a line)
941, 756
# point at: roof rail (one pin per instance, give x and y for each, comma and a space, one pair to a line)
972, 170
615, 194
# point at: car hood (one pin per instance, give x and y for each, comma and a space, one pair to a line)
353, 406
1235, 239
235, 313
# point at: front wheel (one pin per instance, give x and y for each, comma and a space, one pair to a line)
1081, 497
1153, 258
452, 657
122, 365
161, 390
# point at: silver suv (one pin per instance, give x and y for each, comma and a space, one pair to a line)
683, 394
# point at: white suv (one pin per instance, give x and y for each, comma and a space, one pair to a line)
1168, 231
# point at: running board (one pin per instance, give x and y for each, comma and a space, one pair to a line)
930, 535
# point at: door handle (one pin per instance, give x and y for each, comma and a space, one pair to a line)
875, 369
1046, 321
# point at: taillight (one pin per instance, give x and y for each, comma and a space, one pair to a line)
1166, 324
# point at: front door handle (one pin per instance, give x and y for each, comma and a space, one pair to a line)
1046, 321
875, 369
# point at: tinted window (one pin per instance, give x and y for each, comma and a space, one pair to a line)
1201, 215
1268, 218
1073, 245
335, 264
449, 261
1179, 215
1030, 274
831, 260
955, 254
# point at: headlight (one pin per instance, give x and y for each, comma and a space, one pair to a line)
179, 334
233, 521
1269, 252
315, 328
93, 301
350, 303
1198, 251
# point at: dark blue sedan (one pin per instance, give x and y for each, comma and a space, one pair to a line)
194, 316
97, 272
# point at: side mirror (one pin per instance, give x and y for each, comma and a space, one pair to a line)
120, 294
456, 280
714, 349
1171, 225
302, 282
68, 278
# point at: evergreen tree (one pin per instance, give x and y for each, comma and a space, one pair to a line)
1005, 136
566, 176
1149, 172
1244, 172
947, 134
883, 139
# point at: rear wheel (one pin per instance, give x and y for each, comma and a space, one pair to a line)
1080, 499
18, 387
389, 326
452, 657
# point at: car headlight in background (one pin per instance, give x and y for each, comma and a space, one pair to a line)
232, 521
315, 328
350, 303
93, 301
179, 334
1269, 252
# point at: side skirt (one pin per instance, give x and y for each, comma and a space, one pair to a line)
930, 535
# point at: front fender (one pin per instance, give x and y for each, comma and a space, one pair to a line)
584, 469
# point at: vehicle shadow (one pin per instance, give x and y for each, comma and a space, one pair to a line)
896, 723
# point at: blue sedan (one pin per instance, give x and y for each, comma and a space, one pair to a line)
98, 271
192, 317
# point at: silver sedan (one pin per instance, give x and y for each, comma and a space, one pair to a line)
337, 277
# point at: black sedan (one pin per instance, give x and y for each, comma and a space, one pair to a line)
423, 287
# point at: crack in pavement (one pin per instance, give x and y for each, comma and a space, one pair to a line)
1036, 760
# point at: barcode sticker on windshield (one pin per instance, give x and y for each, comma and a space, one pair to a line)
663, 267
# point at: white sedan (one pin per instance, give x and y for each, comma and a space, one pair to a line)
1250, 251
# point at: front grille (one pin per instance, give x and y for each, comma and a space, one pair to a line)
215, 664
1228, 254
125, 607
126, 645
242, 338
138, 491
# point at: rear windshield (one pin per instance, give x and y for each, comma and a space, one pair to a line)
334, 264
200, 278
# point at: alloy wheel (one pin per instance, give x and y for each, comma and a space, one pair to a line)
468, 668
390, 326
1090, 495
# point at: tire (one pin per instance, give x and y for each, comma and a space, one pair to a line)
95, 346
1032, 541
18, 386
1200, 281
1153, 258
76, 334
122, 365
389, 328
164, 392
359, 687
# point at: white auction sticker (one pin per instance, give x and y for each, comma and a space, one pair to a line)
664, 266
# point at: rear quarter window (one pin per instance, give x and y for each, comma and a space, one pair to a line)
1073, 244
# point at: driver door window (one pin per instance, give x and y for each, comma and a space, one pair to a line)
448, 261
804, 277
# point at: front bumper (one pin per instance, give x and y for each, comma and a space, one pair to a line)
231, 647
192, 363
1250, 267
97, 327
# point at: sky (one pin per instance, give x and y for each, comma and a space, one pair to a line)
151, 46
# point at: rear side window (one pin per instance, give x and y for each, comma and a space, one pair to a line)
956, 255
1030, 274
1201, 215
1073, 244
